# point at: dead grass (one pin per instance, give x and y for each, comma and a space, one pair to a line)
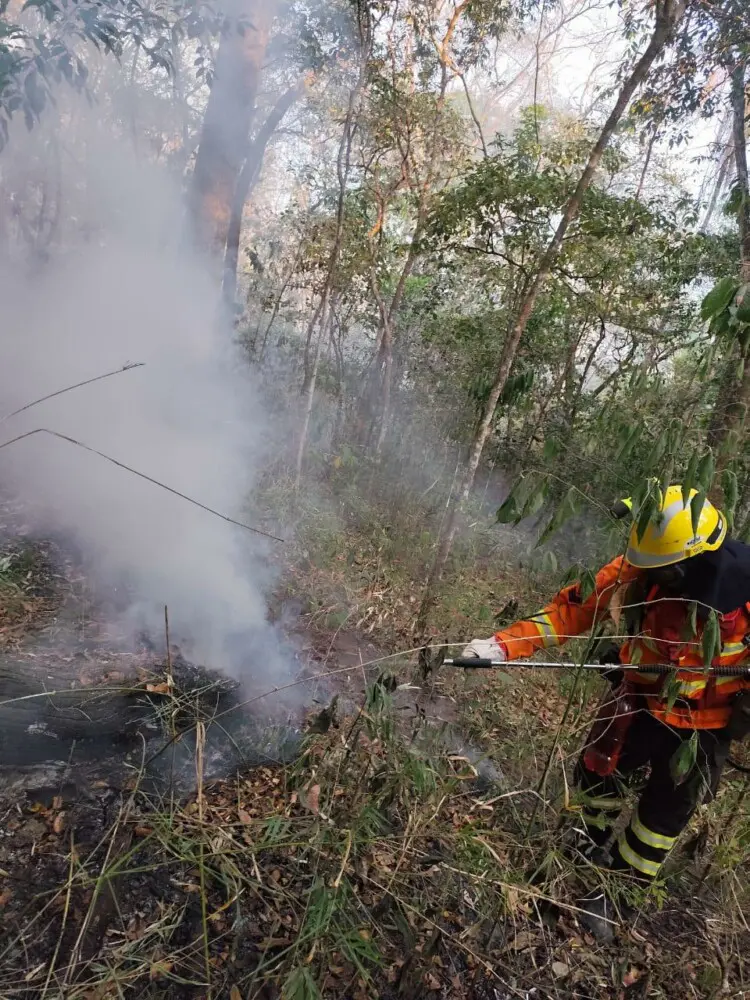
372, 867
378, 864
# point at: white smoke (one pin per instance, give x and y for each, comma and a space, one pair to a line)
125, 287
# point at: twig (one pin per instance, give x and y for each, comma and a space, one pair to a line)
70, 388
200, 744
141, 475
170, 678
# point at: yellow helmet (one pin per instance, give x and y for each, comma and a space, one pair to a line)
669, 537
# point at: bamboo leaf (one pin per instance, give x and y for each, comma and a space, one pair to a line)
671, 690
730, 489
705, 471
549, 562
588, 584
691, 475
696, 506
507, 512
711, 639
534, 503
693, 619
646, 512
683, 759
568, 508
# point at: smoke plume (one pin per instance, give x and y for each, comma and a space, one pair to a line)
124, 286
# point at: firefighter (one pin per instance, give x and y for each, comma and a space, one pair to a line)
660, 594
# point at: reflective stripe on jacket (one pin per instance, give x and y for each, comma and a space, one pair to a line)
664, 637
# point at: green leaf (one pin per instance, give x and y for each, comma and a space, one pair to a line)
671, 690
696, 506
629, 442
300, 985
549, 562
507, 513
693, 619
705, 472
588, 584
535, 502
683, 759
719, 298
730, 489
711, 639
691, 475
657, 450
551, 449
649, 507
571, 575
568, 508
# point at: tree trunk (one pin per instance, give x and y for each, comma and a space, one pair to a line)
668, 15
247, 180
343, 165
309, 396
259, 353
226, 126
730, 410
717, 189
646, 165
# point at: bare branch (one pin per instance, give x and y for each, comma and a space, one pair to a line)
78, 385
141, 475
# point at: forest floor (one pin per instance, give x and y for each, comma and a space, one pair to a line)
410, 849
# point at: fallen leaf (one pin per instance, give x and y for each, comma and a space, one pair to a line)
523, 940
311, 799
143, 831
234, 993
159, 969
162, 688
632, 975
244, 816
5, 896
57, 802
560, 970
431, 981
59, 825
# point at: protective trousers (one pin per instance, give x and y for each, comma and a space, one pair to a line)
665, 806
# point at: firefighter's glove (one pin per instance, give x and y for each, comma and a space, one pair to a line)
486, 649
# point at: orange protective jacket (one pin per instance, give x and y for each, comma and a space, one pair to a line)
665, 636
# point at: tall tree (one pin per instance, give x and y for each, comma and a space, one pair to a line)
668, 14
229, 115
733, 398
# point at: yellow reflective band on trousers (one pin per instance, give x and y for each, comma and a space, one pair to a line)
546, 629
650, 868
647, 836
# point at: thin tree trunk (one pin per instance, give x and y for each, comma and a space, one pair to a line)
730, 411
343, 166
227, 122
259, 354
309, 397
309, 359
646, 165
718, 188
668, 15
247, 180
